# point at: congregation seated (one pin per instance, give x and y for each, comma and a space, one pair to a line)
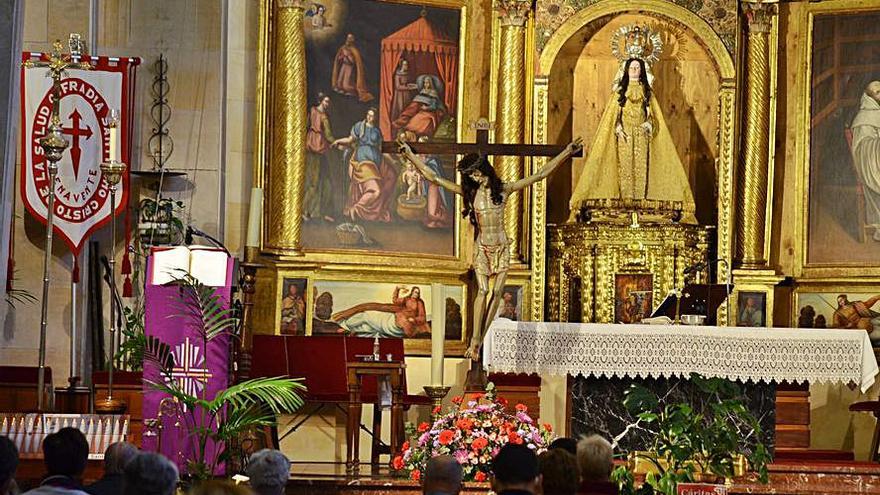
220, 487
515, 471
269, 471
567, 444
116, 457
150, 474
8, 465
559, 472
443, 475
65, 454
595, 458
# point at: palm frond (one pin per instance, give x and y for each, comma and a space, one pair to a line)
158, 353
171, 388
280, 395
238, 420
203, 303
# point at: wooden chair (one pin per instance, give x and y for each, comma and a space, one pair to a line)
873, 407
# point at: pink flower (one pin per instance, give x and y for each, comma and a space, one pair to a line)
461, 456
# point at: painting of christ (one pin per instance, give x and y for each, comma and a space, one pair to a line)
377, 70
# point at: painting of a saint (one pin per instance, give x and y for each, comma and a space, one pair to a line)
751, 308
844, 152
349, 76
511, 303
293, 306
388, 68
855, 311
423, 114
634, 157
404, 317
633, 297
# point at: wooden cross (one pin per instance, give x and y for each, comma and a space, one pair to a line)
481, 146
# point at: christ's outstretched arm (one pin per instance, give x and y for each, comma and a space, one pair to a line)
548, 169
429, 174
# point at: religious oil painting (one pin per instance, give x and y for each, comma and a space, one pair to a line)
844, 126
840, 309
376, 71
379, 309
751, 309
633, 297
512, 303
293, 306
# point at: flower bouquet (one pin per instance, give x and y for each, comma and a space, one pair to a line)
473, 433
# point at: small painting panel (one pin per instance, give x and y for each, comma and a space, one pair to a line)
511, 304
850, 310
844, 122
377, 70
633, 297
751, 309
378, 309
293, 306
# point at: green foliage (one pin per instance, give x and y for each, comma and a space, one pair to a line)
689, 441
234, 411
131, 350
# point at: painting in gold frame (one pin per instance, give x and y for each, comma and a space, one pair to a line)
841, 210
377, 70
370, 306
833, 305
294, 292
633, 297
514, 304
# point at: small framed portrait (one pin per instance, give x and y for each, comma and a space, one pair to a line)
633, 297
293, 306
512, 303
751, 309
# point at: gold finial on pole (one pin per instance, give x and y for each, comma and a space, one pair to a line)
53, 144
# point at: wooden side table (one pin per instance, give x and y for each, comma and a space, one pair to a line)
356, 370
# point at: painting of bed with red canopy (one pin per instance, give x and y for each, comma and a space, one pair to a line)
376, 71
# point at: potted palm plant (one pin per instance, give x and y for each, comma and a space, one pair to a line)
214, 423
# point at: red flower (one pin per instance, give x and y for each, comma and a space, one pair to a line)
514, 438
464, 424
397, 463
477, 397
415, 475
548, 427
521, 408
480, 476
446, 437
457, 399
479, 443
405, 446
436, 410
502, 401
424, 426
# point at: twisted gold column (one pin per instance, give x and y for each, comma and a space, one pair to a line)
510, 115
752, 204
284, 172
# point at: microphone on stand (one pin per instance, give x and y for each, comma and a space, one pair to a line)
194, 232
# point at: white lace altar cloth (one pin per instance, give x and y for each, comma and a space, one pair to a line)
756, 354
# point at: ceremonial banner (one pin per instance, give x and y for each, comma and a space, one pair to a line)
82, 197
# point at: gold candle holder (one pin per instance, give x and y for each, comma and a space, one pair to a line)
436, 393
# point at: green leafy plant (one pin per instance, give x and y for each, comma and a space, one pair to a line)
232, 412
131, 348
690, 444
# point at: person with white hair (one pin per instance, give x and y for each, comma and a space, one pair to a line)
116, 457
595, 459
269, 471
150, 473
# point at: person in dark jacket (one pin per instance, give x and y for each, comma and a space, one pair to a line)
515, 471
116, 457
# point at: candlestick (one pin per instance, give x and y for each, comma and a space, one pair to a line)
438, 332
114, 129
255, 216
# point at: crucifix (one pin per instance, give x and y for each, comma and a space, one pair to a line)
485, 196
53, 144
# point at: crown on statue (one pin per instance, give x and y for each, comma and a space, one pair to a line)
635, 41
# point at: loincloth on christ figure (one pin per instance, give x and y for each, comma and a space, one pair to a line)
492, 259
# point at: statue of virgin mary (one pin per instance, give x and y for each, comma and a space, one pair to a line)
632, 157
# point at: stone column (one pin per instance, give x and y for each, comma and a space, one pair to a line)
282, 216
754, 164
511, 108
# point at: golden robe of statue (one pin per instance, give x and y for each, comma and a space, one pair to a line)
633, 156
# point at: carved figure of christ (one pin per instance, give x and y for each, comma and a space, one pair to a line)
484, 199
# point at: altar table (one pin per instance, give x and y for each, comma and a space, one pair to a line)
772, 355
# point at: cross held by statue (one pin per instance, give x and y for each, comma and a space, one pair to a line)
482, 146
